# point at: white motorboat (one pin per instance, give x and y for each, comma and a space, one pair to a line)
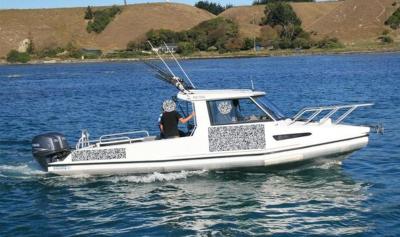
231, 129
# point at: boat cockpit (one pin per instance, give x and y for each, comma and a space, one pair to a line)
233, 107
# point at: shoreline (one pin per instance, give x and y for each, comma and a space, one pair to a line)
208, 55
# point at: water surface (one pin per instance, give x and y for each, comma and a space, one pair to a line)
359, 197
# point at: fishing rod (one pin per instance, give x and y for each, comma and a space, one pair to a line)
156, 51
177, 62
169, 76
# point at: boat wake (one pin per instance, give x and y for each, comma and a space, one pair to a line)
25, 170
84, 179
14, 76
157, 177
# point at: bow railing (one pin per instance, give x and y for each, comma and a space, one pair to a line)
313, 112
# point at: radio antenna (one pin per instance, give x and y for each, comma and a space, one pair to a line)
177, 62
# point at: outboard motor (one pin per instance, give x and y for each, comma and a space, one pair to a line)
50, 147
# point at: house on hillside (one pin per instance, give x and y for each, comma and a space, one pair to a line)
171, 46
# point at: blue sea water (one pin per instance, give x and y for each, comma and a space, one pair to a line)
360, 197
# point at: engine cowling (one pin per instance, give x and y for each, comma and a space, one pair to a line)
49, 147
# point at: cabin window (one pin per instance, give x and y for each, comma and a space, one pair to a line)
185, 108
269, 107
234, 111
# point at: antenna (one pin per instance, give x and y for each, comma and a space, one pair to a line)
252, 85
177, 62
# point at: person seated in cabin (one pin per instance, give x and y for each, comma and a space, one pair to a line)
170, 119
235, 113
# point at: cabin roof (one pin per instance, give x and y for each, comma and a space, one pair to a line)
196, 95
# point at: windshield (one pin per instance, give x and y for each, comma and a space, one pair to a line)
231, 111
269, 107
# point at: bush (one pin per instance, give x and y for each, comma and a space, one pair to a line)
218, 32
248, 44
215, 32
394, 20
75, 54
185, 48
329, 43
73, 51
301, 43
101, 18
275, 44
16, 57
285, 44
157, 37
49, 52
124, 54
386, 39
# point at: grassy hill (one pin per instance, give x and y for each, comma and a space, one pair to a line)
249, 17
355, 21
46, 28
352, 21
349, 20
58, 27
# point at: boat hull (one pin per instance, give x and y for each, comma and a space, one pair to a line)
335, 150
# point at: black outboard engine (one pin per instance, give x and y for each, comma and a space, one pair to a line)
50, 147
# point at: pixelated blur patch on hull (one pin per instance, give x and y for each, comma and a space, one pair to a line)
103, 154
234, 138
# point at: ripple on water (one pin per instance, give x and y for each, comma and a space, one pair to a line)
358, 197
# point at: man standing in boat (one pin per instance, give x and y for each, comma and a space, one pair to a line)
170, 119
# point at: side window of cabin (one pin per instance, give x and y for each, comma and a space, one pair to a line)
235, 111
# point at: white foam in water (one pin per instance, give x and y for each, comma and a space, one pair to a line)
326, 165
330, 164
14, 76
20, 169
154, 177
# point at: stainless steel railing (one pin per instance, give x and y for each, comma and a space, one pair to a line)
121, 137
331, 110
125, 137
